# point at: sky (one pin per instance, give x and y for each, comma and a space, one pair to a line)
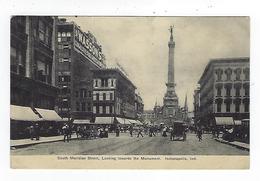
140, 46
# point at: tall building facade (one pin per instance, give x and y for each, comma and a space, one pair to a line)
31, 72
113, 94
224, 90
78, 53
170, 100
32, 61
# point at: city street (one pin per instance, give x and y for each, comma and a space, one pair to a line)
126, 145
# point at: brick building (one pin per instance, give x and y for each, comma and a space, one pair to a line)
78, 53
224, 90
113, 95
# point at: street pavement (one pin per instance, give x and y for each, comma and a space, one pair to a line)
126, 145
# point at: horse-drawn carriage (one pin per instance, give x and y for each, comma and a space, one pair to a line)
179, 131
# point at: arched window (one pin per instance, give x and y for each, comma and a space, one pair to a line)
238, 73
219, 73
228, 73
246, 73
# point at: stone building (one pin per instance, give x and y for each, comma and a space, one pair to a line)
224, 90
113, 96
78, 53
31, 61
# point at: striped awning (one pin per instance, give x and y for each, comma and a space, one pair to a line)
224, 120
81, 121
49, 115
104, 120
21, 113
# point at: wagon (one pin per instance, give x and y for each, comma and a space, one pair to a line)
179, 131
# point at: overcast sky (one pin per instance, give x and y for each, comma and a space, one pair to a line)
140, 45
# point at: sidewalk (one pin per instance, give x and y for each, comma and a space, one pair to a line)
27, 142
237, 144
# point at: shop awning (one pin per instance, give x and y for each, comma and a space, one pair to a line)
104, 120
81, 121
21, 113
238, 122
49, 115
121, 120
224, 120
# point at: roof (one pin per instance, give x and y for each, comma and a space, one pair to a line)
22, 113
49, 115
223, 60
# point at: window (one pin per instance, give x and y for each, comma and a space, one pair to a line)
112, 83
219, 107
238, 73
219, 73
97, 95
76, 93
104, 83
237, 91
59, 34
107, 109
89, 107
228, 89
228, 107
77, 106
83, 93
246, 104
104, 109
94, 109
219, 91
89, 94
228, 73
96, 83
237, 107
246, 91
100, 109
83, 106
41, 30
111, 96
104, 96
111, 109
246, 73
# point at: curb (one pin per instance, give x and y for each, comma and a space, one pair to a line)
36, 143
231, 144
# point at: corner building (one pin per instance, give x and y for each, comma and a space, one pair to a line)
113, 95
78, 53
224, 90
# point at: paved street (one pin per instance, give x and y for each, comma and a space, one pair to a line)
125, 145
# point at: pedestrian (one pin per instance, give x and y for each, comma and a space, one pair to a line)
78, 131
66, 132
117, 131
199, 133
31, 132
131, 131
171, 133
106, 132
37, 131
140, 132
164, 134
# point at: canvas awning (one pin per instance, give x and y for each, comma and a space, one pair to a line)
224, 120
121, 120
49, 115
104, 120
21, 113
81, 121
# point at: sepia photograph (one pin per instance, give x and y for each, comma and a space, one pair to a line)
150, 88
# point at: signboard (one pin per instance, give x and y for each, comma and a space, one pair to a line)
85, 44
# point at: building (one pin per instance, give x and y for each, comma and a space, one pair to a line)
224, 90
113, 96
149, 116
170, 100
196, 105
31, 72
139, 106
78, 53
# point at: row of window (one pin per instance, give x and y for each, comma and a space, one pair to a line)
219, 72
64, 78
228, 91
83, 106
45, 33
104, 83
237, 106
83, 93
103, 97
103, 109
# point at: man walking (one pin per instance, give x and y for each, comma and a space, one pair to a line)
66, 133
199, 133
140, 132
131, 131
